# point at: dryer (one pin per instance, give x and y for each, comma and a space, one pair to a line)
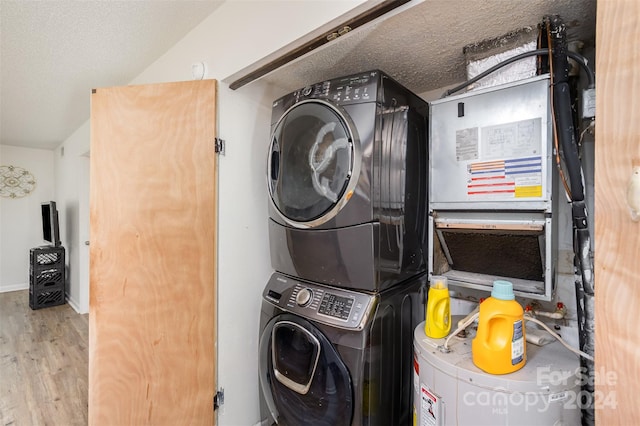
337, 357
347, 178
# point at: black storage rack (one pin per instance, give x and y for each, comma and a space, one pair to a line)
46, 277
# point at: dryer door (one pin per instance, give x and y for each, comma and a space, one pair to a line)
303, 378
314, 153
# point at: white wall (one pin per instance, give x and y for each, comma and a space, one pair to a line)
233, 37
20, 218
71, 183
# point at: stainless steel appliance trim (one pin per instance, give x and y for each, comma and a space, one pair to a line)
302, 389
364, 304
354, 172
514, 225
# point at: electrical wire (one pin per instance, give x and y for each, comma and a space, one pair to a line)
557, 336
466, 324
586, 129
445, 346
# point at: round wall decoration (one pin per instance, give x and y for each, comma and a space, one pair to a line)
16, 182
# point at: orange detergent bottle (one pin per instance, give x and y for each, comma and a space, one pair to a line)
499, 346
438, 316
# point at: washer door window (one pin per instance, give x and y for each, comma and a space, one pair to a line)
311, 162
303, 379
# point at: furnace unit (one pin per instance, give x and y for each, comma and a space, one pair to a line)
492, 189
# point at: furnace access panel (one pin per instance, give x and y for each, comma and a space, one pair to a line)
493, 146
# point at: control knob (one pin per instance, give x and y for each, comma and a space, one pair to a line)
303, 297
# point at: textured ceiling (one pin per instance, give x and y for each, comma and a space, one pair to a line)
421, 45
54, 52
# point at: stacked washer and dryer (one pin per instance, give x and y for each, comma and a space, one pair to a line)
347, 178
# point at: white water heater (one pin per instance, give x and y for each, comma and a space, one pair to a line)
450, 390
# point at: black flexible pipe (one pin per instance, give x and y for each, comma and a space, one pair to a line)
582, 61
494, 68
562, 107
582, 244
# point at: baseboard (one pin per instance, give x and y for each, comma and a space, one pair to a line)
14, 287
74, 304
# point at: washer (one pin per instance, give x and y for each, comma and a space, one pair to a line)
347, 178
331, 356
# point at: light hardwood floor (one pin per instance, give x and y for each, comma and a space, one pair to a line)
43, 363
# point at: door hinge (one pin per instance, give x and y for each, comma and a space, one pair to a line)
218, 399
219, 146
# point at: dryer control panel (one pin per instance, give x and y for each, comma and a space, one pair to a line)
328, 305
353, 89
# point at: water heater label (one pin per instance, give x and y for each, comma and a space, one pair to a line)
430, 405
416, 374
560, 396
517, 344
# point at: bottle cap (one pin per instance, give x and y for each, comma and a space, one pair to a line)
502, 290
439, 282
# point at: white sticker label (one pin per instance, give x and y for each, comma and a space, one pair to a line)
560, 396
429, 408
517, 344
416, 374
511, 140
529, 180
467, 144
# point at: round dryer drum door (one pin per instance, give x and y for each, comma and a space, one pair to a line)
303, 379
314, 153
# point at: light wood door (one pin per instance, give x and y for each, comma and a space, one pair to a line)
153, 254
617, 242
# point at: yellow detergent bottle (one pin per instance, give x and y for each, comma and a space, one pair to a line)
499, 346
438, 319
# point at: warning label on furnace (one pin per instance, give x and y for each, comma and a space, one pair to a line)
504, 179
467, 144
511, 140
503, 161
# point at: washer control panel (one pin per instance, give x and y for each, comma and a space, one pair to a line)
304, 297
333, 306
336, 306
